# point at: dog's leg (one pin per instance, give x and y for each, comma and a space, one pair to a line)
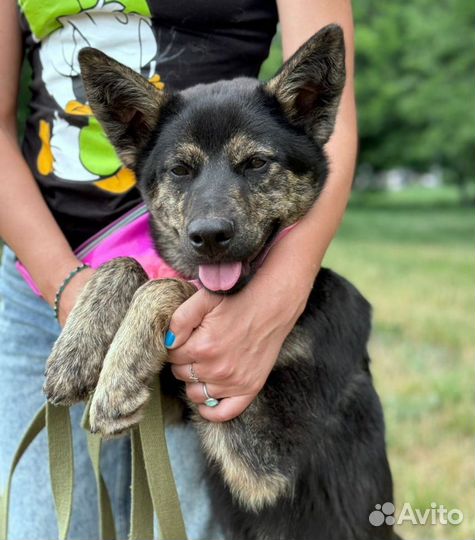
73, 368
135, 356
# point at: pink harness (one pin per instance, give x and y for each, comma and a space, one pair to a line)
128, 236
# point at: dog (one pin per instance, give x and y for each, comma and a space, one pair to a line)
222, 168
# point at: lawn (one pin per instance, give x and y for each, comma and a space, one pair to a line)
411, 254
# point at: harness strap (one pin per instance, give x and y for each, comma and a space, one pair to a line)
159, 472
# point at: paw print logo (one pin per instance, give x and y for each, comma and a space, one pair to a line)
382, 514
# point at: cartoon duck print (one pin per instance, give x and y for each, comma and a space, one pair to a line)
73, 145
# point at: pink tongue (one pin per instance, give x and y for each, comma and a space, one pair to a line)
220, 277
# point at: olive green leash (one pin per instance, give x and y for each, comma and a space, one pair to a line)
94, 445
141, 510
159, 472
153, 489
36, 426
61, 466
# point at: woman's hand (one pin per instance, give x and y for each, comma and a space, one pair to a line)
233, 341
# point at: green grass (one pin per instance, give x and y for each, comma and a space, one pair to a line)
411, 254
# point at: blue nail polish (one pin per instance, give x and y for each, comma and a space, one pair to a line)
169, 339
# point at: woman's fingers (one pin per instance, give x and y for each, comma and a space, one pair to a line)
229, 406
196, 371
189, 316
227, 409
196, 393
187, 373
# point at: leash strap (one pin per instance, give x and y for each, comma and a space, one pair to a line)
141, 510
61, 466
153, 485
37, 424
158, 469
94, 446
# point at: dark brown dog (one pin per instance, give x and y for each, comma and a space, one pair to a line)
222, 168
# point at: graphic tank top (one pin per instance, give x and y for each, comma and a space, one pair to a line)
173, 43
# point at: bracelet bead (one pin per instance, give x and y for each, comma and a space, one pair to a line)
64, 284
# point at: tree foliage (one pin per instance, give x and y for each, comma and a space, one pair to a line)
415, 82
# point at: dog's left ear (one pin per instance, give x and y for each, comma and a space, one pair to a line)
309, 85
125, 103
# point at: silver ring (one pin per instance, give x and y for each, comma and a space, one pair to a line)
209, 401
193, 376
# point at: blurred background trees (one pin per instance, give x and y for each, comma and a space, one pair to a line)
415, 88
415, 83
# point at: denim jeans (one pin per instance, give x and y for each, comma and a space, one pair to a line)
28, 330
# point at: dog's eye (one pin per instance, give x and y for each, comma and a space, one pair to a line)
256, 163
181, 170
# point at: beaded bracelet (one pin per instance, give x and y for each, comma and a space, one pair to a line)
63, 285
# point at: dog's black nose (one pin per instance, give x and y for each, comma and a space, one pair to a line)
210, 236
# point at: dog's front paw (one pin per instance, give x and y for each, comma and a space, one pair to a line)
73, 368
135, 356
69, 378
115, 408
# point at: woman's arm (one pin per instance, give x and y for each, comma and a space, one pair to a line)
234, 354
299, 20
26, 224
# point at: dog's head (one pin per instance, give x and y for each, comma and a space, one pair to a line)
223, 166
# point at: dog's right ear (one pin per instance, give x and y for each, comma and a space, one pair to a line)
310, 83
125, 103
